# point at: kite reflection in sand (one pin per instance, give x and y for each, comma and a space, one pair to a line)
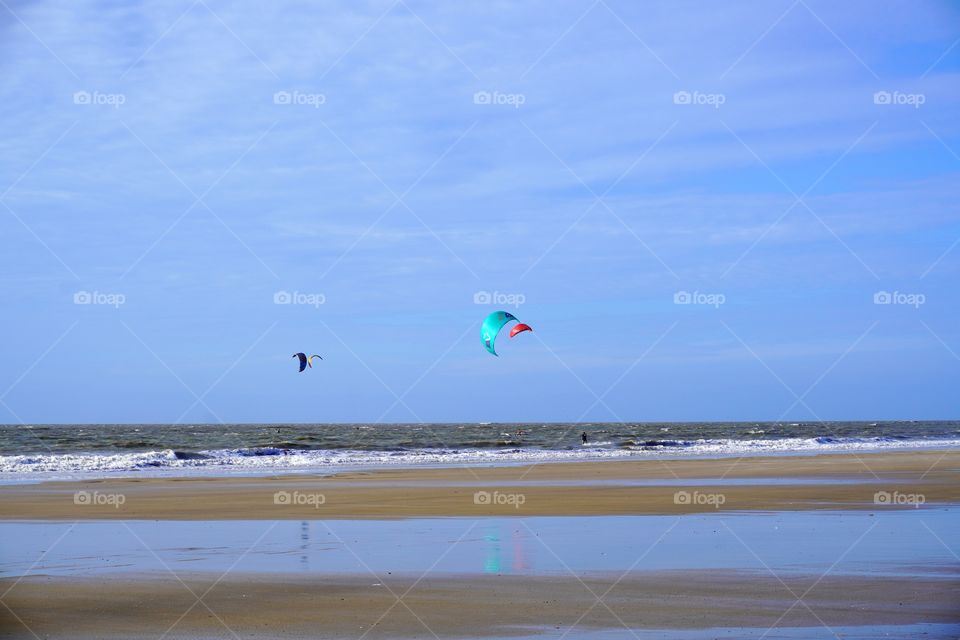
493, 562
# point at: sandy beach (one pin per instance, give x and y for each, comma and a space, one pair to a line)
485, 606
636, 546
839, 481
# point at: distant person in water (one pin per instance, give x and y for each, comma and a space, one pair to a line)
583, 436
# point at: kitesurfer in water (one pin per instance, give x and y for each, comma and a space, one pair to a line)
583, 436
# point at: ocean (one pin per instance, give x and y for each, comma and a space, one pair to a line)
83, 450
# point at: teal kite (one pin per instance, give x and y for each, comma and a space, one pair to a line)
491, 327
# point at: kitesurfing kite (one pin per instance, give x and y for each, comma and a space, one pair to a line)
520, 328
305, 361
492, 325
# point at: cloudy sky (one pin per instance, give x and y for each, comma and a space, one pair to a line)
706, 212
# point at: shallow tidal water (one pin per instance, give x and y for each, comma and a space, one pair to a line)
902, 542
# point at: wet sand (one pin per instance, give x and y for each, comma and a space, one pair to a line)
817, 519
475, 606
842, 481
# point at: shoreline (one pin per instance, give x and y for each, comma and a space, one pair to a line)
339, 467
276, 459
756, 483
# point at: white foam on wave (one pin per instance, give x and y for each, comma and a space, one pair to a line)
168, 462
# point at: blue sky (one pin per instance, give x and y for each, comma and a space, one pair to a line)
184, 162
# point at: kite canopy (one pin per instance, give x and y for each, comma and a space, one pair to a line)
491, 327
303, 360
520, 328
